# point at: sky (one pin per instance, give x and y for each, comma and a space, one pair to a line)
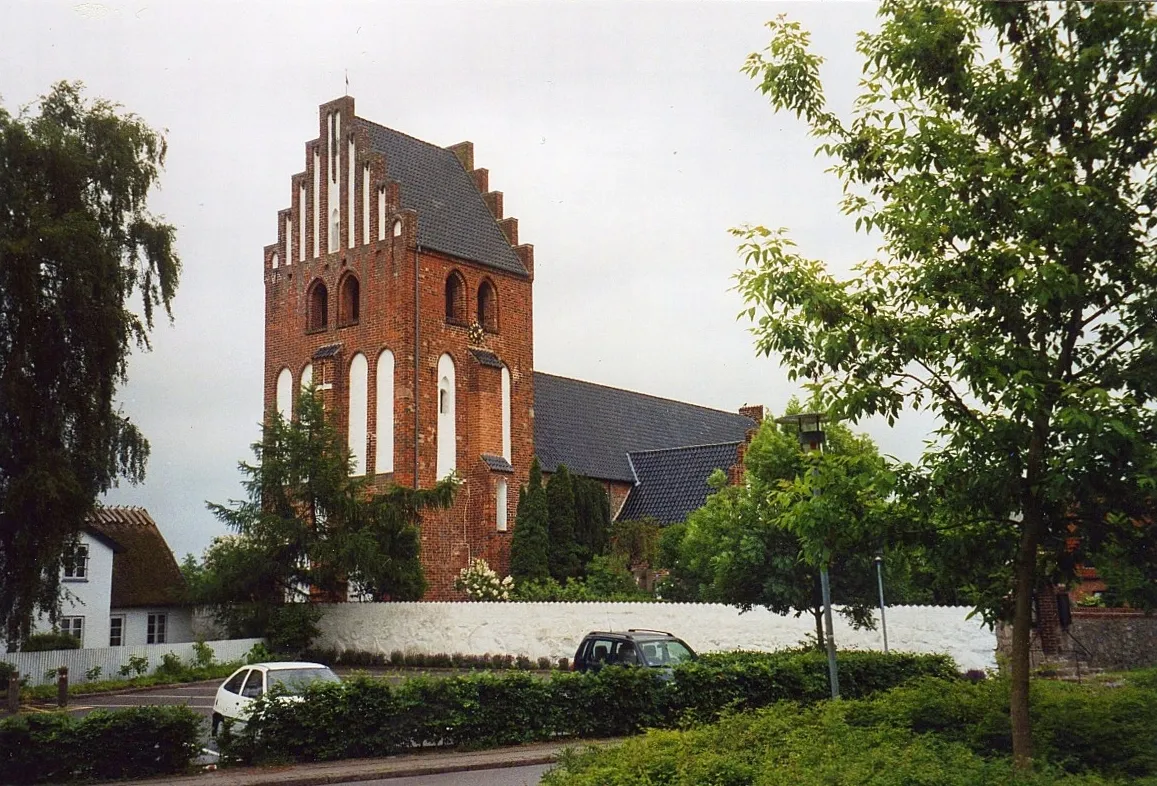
624, 136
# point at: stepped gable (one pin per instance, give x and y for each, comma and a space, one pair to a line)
144, 570
591, 428
673, 481
453, 217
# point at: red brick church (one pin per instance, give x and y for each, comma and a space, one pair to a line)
401, 291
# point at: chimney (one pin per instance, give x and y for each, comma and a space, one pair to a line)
755, 412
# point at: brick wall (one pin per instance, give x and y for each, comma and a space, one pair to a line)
397, 280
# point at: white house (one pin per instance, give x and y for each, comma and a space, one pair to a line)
122, 585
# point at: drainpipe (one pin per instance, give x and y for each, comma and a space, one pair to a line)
417, 347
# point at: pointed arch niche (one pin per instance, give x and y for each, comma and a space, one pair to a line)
384, 448
358, 411
447, 438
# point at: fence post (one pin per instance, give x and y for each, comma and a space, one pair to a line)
14, 692
62, 686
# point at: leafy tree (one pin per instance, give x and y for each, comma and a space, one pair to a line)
563, 557
530, 543
592, 517
1003, 154
763, 543
78, 247
310, 528
635, 542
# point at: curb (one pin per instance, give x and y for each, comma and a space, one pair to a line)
402, 766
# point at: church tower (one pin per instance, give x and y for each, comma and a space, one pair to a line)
398, 288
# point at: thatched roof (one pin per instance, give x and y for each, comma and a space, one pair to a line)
144, 570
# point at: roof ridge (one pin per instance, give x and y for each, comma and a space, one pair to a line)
645, 395
685, 447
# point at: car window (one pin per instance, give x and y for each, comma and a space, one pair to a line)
627, 654
601, 651
295, 681
666, 653
253, 687
236, 681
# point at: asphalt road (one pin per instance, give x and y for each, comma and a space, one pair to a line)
511, 776
198, 696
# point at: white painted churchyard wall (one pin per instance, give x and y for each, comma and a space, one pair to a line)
555, 629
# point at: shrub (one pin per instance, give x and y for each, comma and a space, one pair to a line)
46, 642
292, 627
479, 582
170, 666
132, 743
397, 658
258, 653
203, 655
93, 674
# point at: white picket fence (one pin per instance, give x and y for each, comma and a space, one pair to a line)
37, 665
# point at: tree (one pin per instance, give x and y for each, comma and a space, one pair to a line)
763, 543
78, 247
563, 557
1003, 155
592, 518
530, 543
310, 528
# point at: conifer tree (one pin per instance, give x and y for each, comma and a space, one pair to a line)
592, 518
563, 557
530, 544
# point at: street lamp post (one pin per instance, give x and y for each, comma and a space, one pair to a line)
811, 437
880, 580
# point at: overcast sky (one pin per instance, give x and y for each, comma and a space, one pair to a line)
624, 136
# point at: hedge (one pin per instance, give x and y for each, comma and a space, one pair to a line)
131, 743
365, 717
929, 731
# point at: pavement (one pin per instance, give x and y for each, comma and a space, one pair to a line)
402, 766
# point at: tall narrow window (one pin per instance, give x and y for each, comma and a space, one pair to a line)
500, 504
349, 297
73, 626
334, 230
447, 439
318, 316
487, 307
275, 260
116, 631
384, 445
456, 298
76, 563
506, 413
358, 412
289, 238
157, 632
307, 376
285, 394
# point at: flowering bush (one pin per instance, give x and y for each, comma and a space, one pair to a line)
479, 582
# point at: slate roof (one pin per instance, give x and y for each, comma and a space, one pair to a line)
328, 351
452, 218
590, 428
144, 571
486, 358
673, 482
497, 463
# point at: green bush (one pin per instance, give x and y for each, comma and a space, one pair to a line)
368, 718
46, 642
132, 743
789, 744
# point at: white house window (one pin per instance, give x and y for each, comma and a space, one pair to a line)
158, 623
73, 626
76, 564
116, 631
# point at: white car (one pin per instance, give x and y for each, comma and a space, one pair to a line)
236, 695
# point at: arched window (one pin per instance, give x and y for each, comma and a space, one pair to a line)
358, 412
349, 301
487, 307
275, 260
384, 447
285, 394
447, 440
334, 230
456, 298
317, 317
307, 376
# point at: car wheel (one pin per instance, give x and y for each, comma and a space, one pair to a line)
216, 722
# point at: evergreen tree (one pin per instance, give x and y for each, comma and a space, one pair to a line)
563, 557
592, 519
530, 543
83, 267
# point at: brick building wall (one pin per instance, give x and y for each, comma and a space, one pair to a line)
402, 289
